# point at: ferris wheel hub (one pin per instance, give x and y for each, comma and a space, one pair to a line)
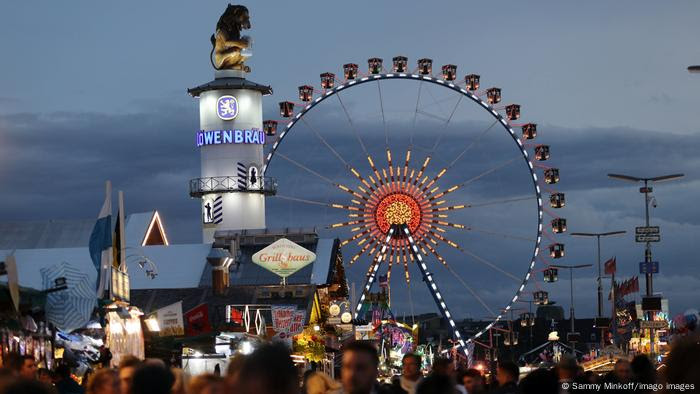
398, 208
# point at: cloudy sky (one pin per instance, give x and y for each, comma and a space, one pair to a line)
91, 92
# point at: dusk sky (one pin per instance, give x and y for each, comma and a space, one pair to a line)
95, 91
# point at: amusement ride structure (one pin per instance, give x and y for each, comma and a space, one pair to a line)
406, 171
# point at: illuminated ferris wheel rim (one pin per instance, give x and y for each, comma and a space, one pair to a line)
490, 109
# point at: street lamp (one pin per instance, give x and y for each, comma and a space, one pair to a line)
694, 69
646, 190
571, 269
600, 285
648, 234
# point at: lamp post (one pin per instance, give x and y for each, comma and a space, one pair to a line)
694, 69
600, 276
647, 239
571, 269
646, 190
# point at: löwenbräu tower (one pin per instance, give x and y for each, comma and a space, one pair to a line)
230, 136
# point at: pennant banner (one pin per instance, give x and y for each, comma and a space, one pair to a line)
611, 266
626, 287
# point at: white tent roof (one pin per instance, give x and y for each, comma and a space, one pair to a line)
178, 266
48, 234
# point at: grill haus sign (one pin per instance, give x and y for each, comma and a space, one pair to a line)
284, 257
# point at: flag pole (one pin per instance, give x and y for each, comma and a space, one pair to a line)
105, 263
122, 241
614, 310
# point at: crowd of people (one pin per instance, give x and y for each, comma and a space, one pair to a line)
270, 370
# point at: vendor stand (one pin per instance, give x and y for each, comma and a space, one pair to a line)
25, 331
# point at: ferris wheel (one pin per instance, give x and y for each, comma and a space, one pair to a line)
418, 174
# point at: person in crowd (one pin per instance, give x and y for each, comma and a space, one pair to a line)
7, 377
152, 377
233, 370
358, 372
436, 383
590, 377
206, 384
45, 376
319, 383
127, 367
507, 375
566, 372
28, 386
643, 370
24, 366
683, 366
103, 381
180, 385
621, 373
305, 375
539, 381
441, 366
65, 384
268, 370
410, 375
472, 381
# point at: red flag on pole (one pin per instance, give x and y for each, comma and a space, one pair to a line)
610, 266
622, 290
614, 288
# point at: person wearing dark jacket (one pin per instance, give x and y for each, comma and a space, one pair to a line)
410, 375
507, 376
65, 384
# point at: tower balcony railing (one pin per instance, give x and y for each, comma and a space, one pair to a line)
231, 184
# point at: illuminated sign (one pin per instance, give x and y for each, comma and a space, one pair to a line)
283, 257
120, 285
220, 137
227, 107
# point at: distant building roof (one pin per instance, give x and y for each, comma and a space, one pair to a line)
181, 266
45, 234
178, 266
49, 234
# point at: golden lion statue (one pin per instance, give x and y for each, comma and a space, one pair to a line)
227, 42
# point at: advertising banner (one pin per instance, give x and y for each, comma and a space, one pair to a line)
287, 321
170, 320
197, 320
283, 257
364, 333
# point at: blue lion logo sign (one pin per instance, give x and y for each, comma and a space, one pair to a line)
227, 107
